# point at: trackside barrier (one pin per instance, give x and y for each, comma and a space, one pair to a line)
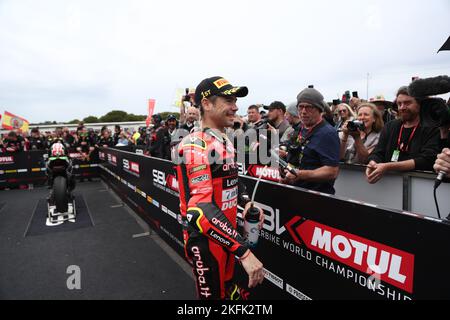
313, 246
28, 167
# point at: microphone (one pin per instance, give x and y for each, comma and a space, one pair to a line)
439, 178
422, 88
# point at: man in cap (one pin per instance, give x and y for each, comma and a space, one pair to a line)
276, 118
317, 146
209, 194
294, 121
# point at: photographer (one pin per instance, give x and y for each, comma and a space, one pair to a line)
316, 148
359, 138
406, 143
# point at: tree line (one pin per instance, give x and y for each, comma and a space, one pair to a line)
112, 116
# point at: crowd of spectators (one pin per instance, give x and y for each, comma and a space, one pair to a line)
315, 136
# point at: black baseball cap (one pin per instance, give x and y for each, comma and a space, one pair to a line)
171, 117
276, 105
217, 86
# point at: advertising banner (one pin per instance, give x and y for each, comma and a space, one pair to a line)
28, 167
312, 245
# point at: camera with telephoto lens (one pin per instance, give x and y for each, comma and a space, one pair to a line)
262, 124
355, 125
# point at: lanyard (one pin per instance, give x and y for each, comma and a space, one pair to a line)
402, 147
309, 133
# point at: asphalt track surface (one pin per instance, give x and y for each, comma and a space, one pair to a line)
118, 257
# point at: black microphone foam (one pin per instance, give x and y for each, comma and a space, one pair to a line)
429, 87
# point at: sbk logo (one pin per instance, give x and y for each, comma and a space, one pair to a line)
130, 166
394, 266
169, 181
113, 160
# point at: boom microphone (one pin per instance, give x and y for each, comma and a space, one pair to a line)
422, 88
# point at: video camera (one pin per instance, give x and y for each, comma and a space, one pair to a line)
434, 111
283, 164
355, 125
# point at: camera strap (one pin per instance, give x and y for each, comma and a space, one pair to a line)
303, 140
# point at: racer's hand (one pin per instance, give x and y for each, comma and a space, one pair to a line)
254, 269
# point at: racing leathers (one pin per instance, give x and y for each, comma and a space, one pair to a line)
209, 194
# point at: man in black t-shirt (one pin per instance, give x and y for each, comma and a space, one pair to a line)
84, 145
106, 140
406, 143
36, 141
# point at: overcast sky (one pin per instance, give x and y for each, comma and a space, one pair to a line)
61, 60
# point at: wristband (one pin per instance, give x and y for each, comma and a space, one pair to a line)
245, 255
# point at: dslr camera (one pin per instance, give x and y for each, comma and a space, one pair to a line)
355, 125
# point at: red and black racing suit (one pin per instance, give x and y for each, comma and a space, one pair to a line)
209, 195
